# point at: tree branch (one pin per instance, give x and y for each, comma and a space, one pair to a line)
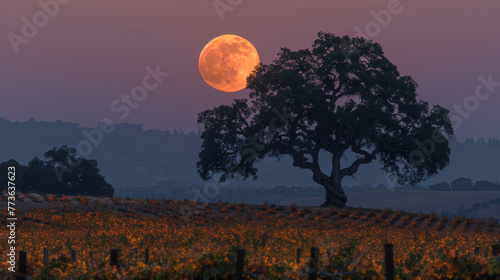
301, 161
355, 148
368, 157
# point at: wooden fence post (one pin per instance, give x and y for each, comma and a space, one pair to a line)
313, 263
389, 261
146, 256
240, 264
45, 256
299, 252
22, 262
113, 260
495, 250
73, 255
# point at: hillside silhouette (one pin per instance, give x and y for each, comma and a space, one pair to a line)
131, 156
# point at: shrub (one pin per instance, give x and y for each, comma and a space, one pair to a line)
207, 210
405, 220
433, 216
271, 211
492, 222
479, 224
38, 198
82, 200
260, 216
442, 223
467, 223
422, 217
394, 218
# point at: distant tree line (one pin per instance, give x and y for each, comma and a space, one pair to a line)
466, 184
171, 189
482, 141
61, 172
176, 190
459, 184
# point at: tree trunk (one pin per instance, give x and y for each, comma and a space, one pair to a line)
335, 195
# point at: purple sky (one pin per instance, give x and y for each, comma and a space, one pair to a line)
91, 52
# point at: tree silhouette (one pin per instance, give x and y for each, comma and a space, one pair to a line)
343, 94
76, 176
41, 178
484, 185
62, 172
462, 184
443, 186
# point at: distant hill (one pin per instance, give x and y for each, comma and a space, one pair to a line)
131, 156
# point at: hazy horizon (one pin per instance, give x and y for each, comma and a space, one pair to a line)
73, 68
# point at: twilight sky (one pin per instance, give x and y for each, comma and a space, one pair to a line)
88, 53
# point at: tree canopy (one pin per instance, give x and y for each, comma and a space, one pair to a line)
342, 94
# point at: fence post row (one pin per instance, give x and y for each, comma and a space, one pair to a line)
113, 260
240, 263
313, 263
22, 262
495, 250
240, 260
389, 261
299, 252
45, 256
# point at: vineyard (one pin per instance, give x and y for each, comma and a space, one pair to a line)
188, 240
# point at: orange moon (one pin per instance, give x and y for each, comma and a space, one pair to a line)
227, 61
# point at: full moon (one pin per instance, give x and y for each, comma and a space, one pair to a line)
227, 61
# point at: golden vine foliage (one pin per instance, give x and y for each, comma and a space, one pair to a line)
188, 240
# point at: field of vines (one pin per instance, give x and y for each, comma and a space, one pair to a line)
188, 240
